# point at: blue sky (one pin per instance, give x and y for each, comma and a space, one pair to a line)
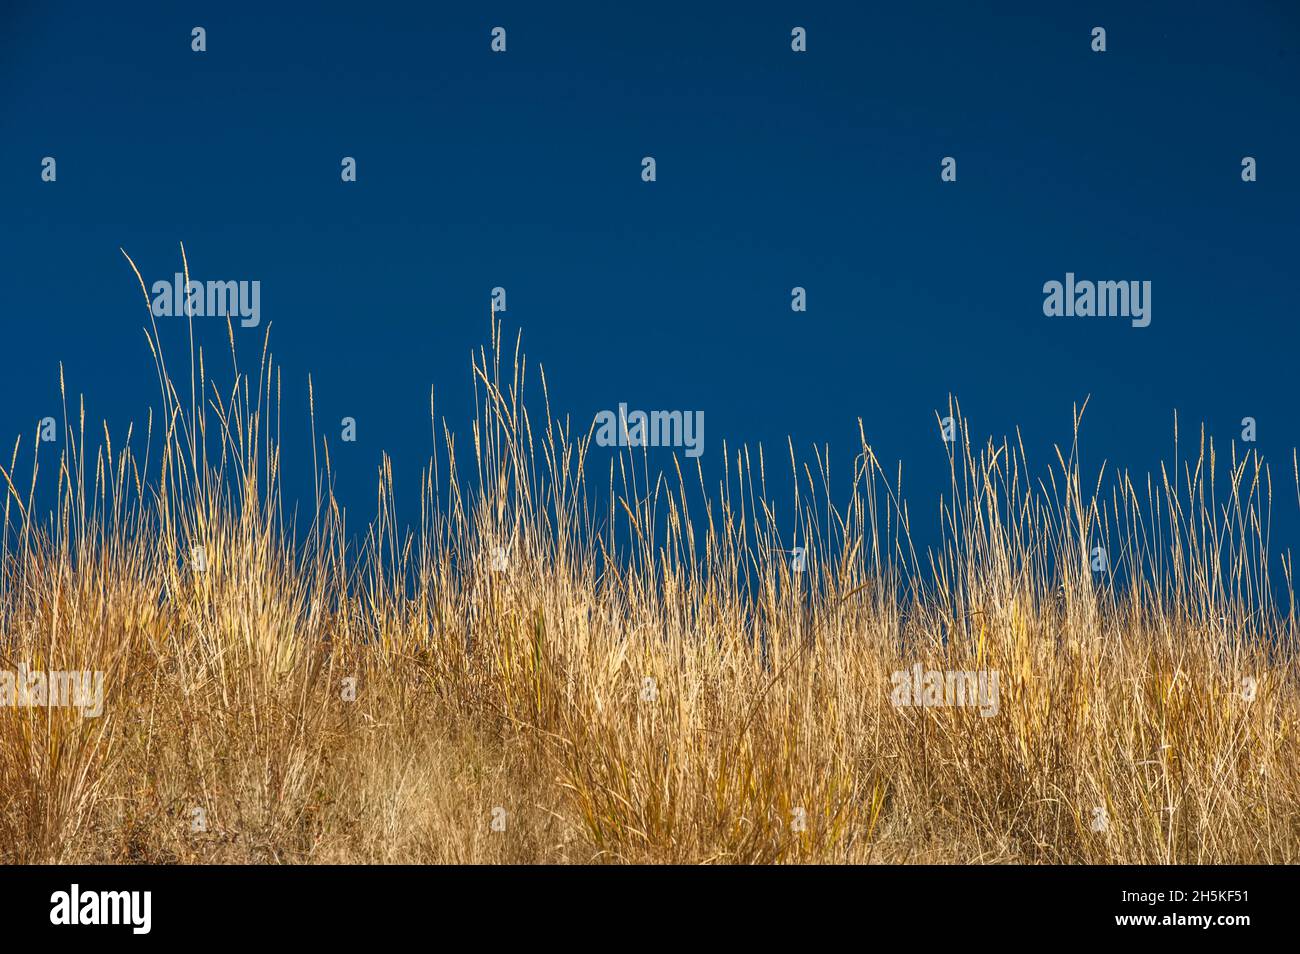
774, 169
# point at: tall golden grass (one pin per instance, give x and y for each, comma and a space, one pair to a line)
504, 715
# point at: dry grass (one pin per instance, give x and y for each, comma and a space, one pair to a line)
525, 689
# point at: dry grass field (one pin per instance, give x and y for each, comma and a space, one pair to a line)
530, 676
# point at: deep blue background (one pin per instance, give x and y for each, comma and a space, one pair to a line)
775, 169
